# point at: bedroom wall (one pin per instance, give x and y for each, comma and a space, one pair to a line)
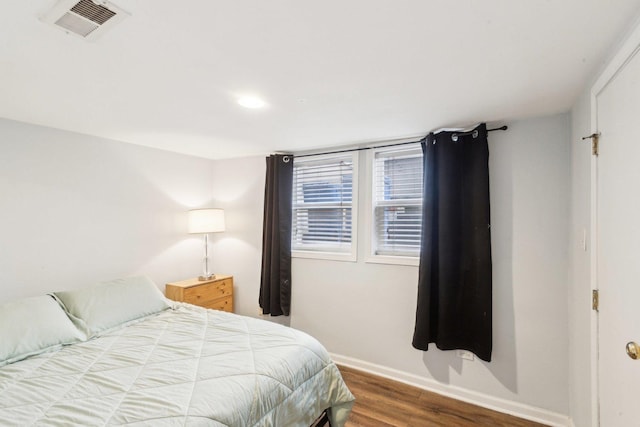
238, 187
77, 209
580, 377
366, 312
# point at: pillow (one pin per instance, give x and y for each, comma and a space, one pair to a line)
33, 325
107, 305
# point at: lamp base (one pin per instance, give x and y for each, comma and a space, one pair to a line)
208, 277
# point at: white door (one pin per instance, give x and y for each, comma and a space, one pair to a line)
618, 251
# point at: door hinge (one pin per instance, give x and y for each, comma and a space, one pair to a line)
595, 139
595, 300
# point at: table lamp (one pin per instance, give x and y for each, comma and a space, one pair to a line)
205, 221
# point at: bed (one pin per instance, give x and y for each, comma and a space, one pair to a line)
119, 353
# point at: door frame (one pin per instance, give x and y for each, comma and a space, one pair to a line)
626, 51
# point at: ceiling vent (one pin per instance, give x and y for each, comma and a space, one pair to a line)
87, 19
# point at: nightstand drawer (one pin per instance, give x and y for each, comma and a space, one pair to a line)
224, 304
209, 292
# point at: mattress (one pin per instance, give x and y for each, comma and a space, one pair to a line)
185, 366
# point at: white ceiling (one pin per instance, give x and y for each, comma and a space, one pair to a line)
333, 72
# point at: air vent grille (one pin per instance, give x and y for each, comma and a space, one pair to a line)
93, 12
73, 23
88, 19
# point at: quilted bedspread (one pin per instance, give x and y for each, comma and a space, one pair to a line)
185, 366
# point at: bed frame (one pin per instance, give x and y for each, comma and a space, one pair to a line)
322, 421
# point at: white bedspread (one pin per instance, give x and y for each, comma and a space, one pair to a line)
187, 366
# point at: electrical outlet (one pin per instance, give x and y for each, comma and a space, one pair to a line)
584, 239
466, 355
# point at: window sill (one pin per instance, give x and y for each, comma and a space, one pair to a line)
329, 256
393, 260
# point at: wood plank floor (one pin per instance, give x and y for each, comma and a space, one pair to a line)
382, 402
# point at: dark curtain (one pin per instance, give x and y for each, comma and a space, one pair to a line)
275, 280
454, 285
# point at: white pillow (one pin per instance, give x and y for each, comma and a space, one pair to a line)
34, 325
107, 305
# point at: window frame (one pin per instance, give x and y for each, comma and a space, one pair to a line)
371, 256
351, 255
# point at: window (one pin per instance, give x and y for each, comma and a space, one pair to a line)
324, 206
397, 202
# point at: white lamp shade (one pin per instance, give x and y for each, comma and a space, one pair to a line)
206, 221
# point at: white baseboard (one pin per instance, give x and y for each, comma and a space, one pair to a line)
484, 400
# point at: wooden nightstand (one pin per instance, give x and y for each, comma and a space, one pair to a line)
216, 293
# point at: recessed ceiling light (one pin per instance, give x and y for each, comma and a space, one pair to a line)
251, 102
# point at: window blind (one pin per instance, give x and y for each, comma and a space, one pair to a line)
323, 204
397, 201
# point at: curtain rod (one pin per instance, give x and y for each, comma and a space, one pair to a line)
391, 145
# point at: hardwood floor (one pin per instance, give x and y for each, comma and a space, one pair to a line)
382, 402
